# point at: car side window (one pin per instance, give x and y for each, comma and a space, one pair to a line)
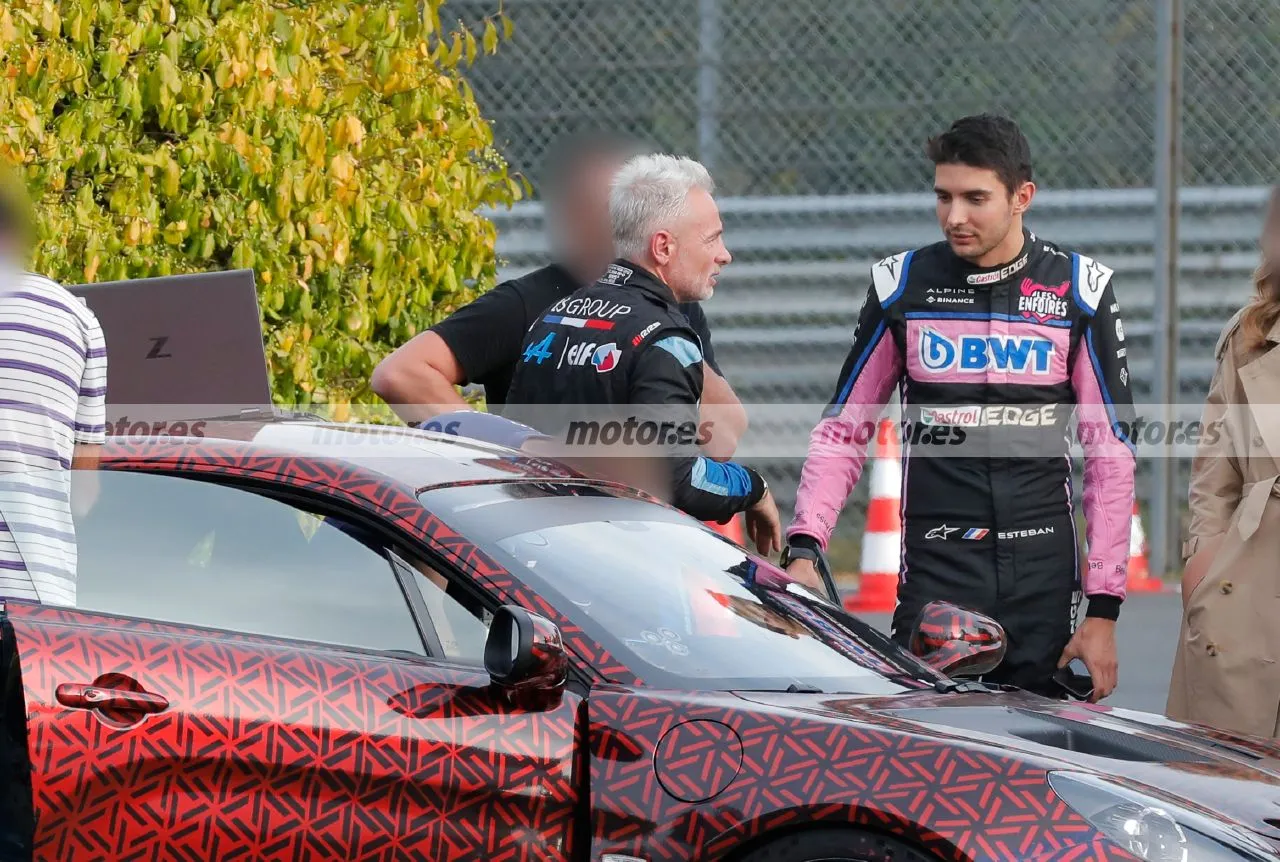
195, 552
461, 622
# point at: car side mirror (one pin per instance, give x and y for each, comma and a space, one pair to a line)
524, 653
957, 641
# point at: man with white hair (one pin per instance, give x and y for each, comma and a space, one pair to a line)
480, 342
623, 343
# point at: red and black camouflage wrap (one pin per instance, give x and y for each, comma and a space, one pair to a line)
534, 674
548, 654
287, 754
960, 641
777, 771
378, 495
319, 753
301, 810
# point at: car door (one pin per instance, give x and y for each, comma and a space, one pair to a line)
246, 676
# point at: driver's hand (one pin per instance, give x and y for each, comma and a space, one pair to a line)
806, 573
764, 525
1094, 643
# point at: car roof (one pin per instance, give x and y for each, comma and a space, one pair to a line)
406, 456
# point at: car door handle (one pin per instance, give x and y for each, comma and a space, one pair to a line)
79, 696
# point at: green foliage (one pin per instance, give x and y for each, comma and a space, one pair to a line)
332, 146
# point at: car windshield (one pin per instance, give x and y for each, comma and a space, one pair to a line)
681, 606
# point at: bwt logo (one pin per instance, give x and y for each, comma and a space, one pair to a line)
1017, 353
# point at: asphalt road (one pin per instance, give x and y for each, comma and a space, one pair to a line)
1145, 638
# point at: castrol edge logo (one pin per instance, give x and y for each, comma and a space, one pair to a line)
999, 274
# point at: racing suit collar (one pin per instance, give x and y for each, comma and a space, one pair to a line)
625, 273
987, 276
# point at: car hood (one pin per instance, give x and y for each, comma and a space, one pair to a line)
1236, 777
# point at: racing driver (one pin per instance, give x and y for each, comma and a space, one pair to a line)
996, 337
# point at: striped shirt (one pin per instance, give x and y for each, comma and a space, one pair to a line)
53, 387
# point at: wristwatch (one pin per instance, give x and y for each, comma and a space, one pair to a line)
792, 552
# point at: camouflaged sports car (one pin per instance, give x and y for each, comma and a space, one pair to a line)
300, 641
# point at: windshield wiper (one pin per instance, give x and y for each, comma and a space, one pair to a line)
947, 686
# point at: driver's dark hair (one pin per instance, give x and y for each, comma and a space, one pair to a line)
987, 141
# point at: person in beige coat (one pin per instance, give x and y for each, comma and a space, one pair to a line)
1226, 670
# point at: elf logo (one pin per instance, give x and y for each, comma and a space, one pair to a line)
580, 353
606, 357
603, 357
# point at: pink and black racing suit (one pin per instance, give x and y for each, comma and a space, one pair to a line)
992, 365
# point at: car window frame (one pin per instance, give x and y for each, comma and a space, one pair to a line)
316, 503
401, 544
397, 543
399, 547
407, 576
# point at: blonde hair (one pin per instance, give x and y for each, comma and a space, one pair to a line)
1264, 309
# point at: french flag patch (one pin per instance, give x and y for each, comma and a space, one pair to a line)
975, 533
580, 322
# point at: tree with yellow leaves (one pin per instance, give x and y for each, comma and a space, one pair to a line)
331, 146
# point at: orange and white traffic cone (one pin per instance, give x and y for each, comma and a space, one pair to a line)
1140, 579
732, 531
882, 537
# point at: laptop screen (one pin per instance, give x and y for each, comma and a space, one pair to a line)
180, 347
